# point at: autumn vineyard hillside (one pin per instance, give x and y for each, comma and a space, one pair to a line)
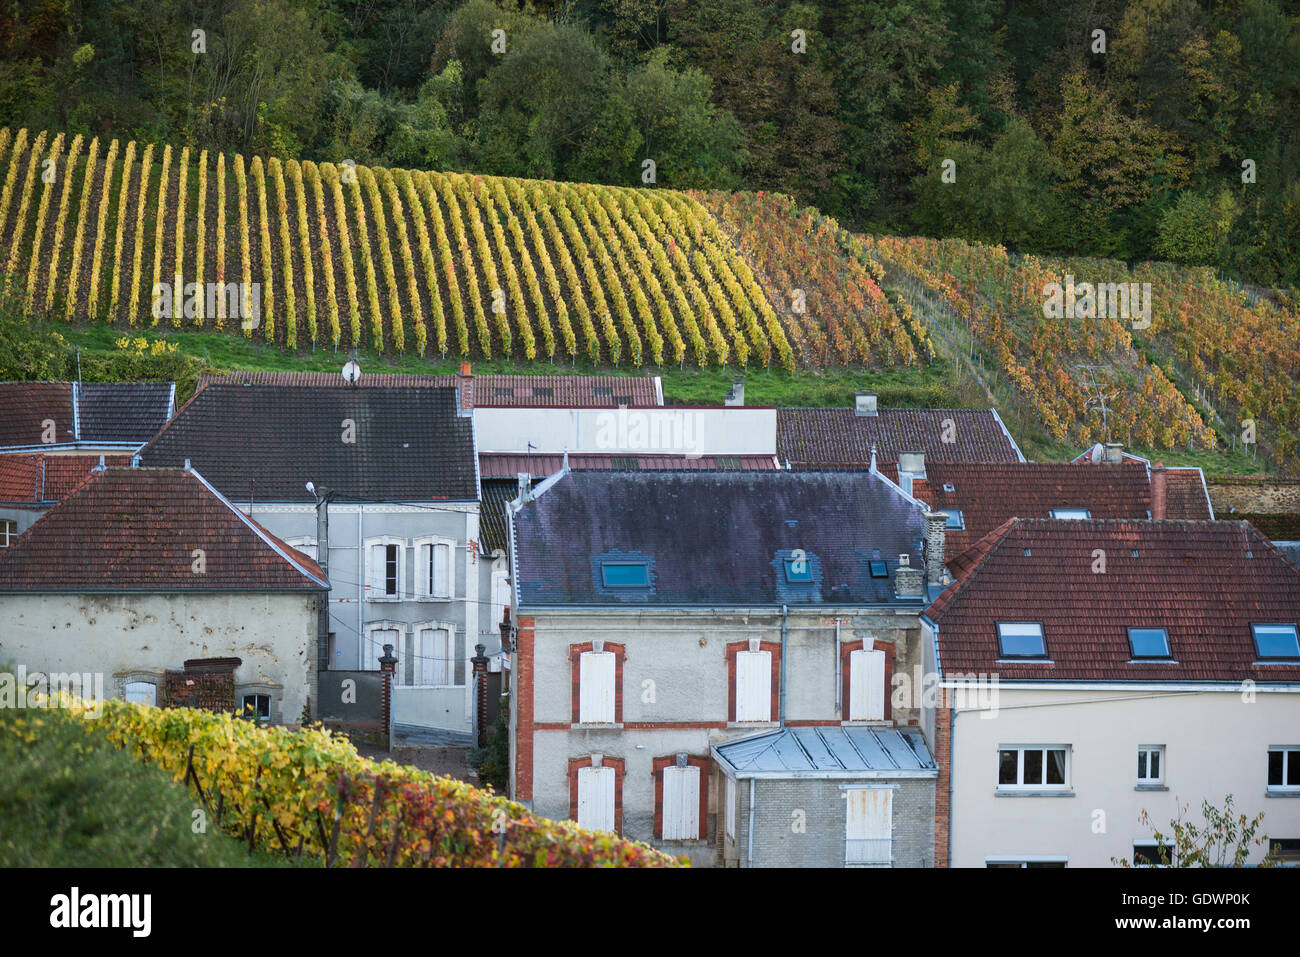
443, 265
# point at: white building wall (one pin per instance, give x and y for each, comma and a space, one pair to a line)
706, 431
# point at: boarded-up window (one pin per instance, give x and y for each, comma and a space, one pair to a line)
867, 686
596, 798
731, 808
681, 803
869, 829
754, 686
596, 687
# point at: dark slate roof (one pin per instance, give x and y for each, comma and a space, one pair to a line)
989, 493
1204, 582
135, 530
124, 411
715, 538
840, 438
510, 464
496, 493
32, 477
25, 406
410, 443
489, 390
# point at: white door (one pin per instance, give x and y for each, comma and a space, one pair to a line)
754, 686
596, 687
868, 831
596, 798
681, 803
867, 686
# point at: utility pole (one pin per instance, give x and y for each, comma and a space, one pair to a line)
323, 496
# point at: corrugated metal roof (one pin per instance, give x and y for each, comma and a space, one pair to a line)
828, 750
510, 464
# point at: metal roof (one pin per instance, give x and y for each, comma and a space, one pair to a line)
830, 752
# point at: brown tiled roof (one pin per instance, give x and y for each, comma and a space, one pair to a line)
1204, 582
1186, 495
510, 464
990, 493
43, 477
135, 530
25, 406
840, 438
489, 390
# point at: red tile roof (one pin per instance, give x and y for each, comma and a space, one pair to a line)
1204, 582
134, 530
47, 477
489, 390
990, 493
25, 407
1186, 496
510, 464
840, 438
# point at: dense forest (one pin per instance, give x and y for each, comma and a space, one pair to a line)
1130, 129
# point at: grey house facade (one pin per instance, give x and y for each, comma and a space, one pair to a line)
404, 554
662, 617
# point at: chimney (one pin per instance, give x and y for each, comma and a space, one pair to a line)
864, 403
525, 484
907, 578
1159, 491
1114, 453
936, 524
464, 390
736, 394
910, 465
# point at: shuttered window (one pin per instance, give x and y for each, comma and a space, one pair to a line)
681, 803
596, 687
867, 686
754, 686
434, 569
434, 657
596, 798
869, 831
375, 641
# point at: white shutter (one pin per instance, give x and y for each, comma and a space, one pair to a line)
681, 809
430, 648
596, 687
754, 686
377, 568
868, 832
867, 686
423, 560
596, 798
441, 569
731, 808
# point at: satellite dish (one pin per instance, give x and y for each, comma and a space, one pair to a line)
351, 372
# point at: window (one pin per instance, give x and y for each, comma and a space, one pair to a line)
256, 706
1151, 764
433, 659
1076, 513
1285, 850
879, 569
1039, 768
999, 862
141, 692
596, 798
435, 571
1284, 768
1149, 642
869, 830
1148, 854
596, 687
1021, 639
866, 685
8, 532
625, 574
1276, 641
681, 810
386, 572
754, 685
798, 570
731, 808
955, 519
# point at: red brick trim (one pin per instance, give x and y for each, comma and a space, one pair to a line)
846, 651
619, 766
734, 648
943, 785
657, 769
523, 665
575, 680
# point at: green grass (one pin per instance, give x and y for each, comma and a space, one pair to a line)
68, 798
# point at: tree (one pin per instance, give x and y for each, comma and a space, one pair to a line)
1224, 840
1195, 230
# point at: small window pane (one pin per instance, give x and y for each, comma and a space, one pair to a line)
1033, 767
1155, 765
1056, 767
798, 570
1275, 759
1276, 641
1142, 764
1149, 642
390, 570
1007, 767
1021, 639
1293, 768
1075, 513
879, 569
625, 574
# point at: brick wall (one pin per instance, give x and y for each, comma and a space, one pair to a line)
212, 692
943, 786
522, 662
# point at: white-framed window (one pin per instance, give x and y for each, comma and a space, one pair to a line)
1034, 767
596, 798
1021, 639
435, 569
378, 635
866, 685
1023, 862
596, 680
1284, 768
434, 658
730, 800
305, 545
141, 692
754, 684
869, 827
1146, 853
1075, 513
8, 532
257, 706
1151, 764
681, 803
385, 569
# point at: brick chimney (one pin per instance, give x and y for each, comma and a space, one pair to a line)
908, 578
1159, 490
465, 390
1114, 453
936, 524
